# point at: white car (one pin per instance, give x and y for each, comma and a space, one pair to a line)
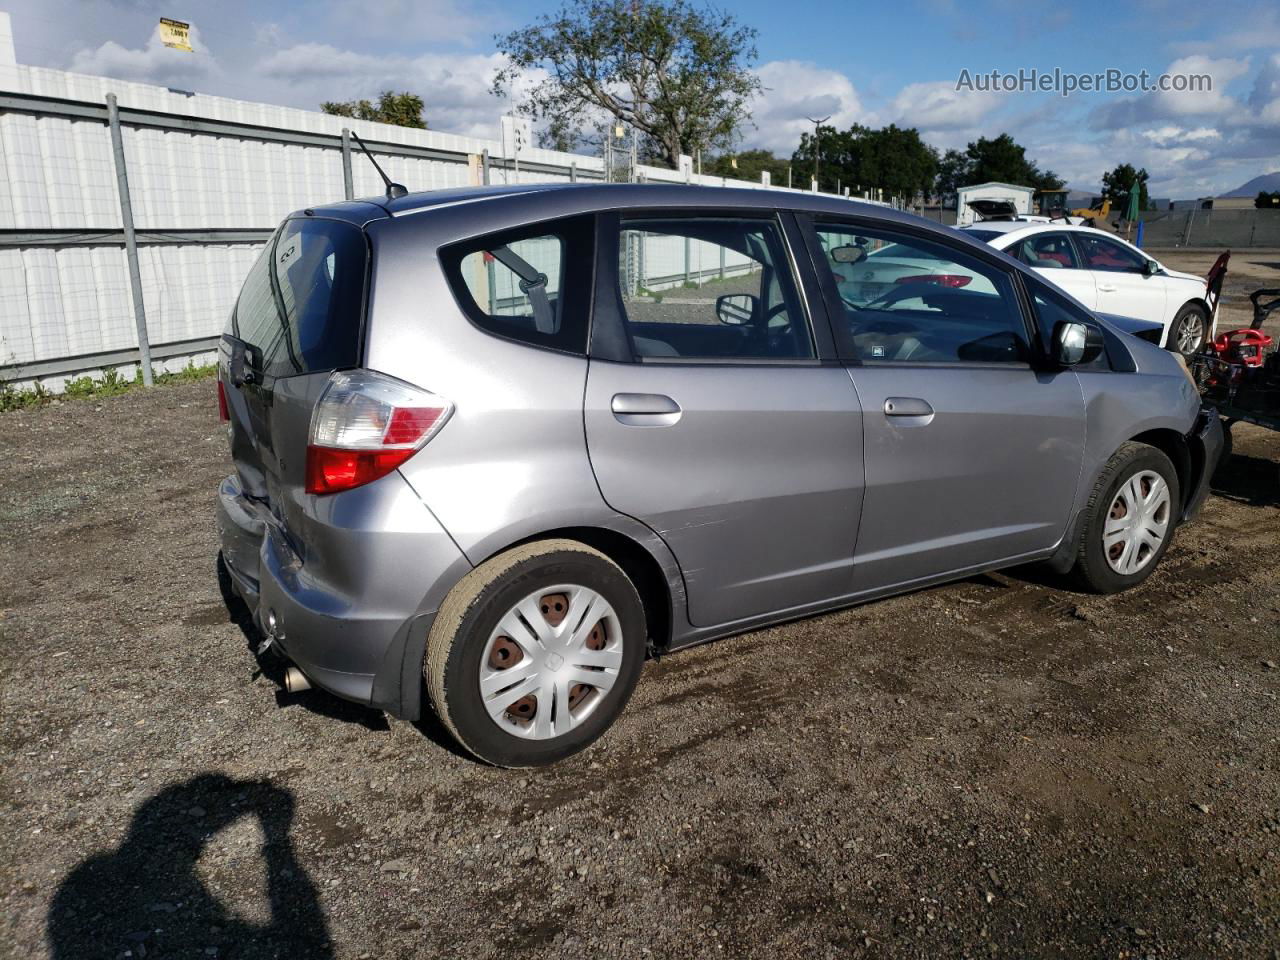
1110, 276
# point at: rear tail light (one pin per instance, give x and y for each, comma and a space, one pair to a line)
952, 280
365, 425
223, 413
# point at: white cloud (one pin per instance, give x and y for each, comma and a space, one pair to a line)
154, 63
939, 106
1168, 134
794, 90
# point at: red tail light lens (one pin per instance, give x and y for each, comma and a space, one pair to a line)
223, 413
365, 425
952, 280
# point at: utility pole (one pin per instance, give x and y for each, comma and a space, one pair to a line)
817, 144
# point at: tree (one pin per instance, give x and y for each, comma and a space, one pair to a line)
953, 173
679, 74
1004, 160
749, 165
893, 159
402, 109
1119, 182
1267, 201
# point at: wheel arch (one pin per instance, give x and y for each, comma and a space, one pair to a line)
645, 571
1174, 446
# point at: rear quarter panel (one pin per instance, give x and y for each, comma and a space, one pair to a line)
512, 460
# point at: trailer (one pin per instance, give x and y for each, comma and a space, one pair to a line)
1020, 197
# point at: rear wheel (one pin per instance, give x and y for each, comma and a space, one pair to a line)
1130, 519
1186, 333
535, 653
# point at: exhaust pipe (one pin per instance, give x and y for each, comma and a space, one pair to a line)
295, 681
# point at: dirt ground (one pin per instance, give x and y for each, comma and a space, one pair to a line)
1000, 767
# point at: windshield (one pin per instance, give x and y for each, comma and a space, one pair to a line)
986, 236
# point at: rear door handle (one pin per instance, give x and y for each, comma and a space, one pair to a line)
907, 407
1106, 289
645, 409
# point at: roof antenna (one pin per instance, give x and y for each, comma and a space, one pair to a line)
394, 190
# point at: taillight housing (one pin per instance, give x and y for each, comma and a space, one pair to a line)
952, 280
365, 425
224, 414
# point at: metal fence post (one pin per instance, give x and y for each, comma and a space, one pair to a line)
347, 185
484, 165
130, 240
573, 173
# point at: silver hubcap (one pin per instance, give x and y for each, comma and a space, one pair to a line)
551, 661
1190, 333
1137, 522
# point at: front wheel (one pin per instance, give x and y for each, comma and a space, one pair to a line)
1130, 519
1186, 333
535, 653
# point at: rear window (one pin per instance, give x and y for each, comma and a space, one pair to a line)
303, 301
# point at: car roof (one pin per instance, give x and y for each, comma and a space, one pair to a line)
1015, 230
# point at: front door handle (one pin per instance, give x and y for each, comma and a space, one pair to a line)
645, 409
907, 407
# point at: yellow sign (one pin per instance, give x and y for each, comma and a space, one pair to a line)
176, 34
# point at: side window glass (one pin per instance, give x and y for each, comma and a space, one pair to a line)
912, 300
531, 285
1103, 254
519, 281
1051, 251
711, 288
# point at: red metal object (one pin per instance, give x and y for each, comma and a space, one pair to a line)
1245, 346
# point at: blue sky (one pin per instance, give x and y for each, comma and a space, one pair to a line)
871, 63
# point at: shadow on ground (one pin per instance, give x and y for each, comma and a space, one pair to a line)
146, 899
1254, 481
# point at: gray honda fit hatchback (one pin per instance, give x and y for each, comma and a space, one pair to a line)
497, 445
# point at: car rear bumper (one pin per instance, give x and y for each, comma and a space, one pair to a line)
1205, 443
351, 603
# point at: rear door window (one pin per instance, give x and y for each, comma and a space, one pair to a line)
710, 288
1050, 251
302, 304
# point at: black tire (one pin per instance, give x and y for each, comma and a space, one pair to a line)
1191, 313
471, 613
1091, 567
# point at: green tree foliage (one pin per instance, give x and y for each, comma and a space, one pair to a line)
750, 164
1004, 160
1119, 182
679, 74
402, 109
893, 159
953, 173
1267, 201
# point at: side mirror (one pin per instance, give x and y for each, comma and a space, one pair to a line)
1075, 343
736, 309
1150, 268
848, 254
